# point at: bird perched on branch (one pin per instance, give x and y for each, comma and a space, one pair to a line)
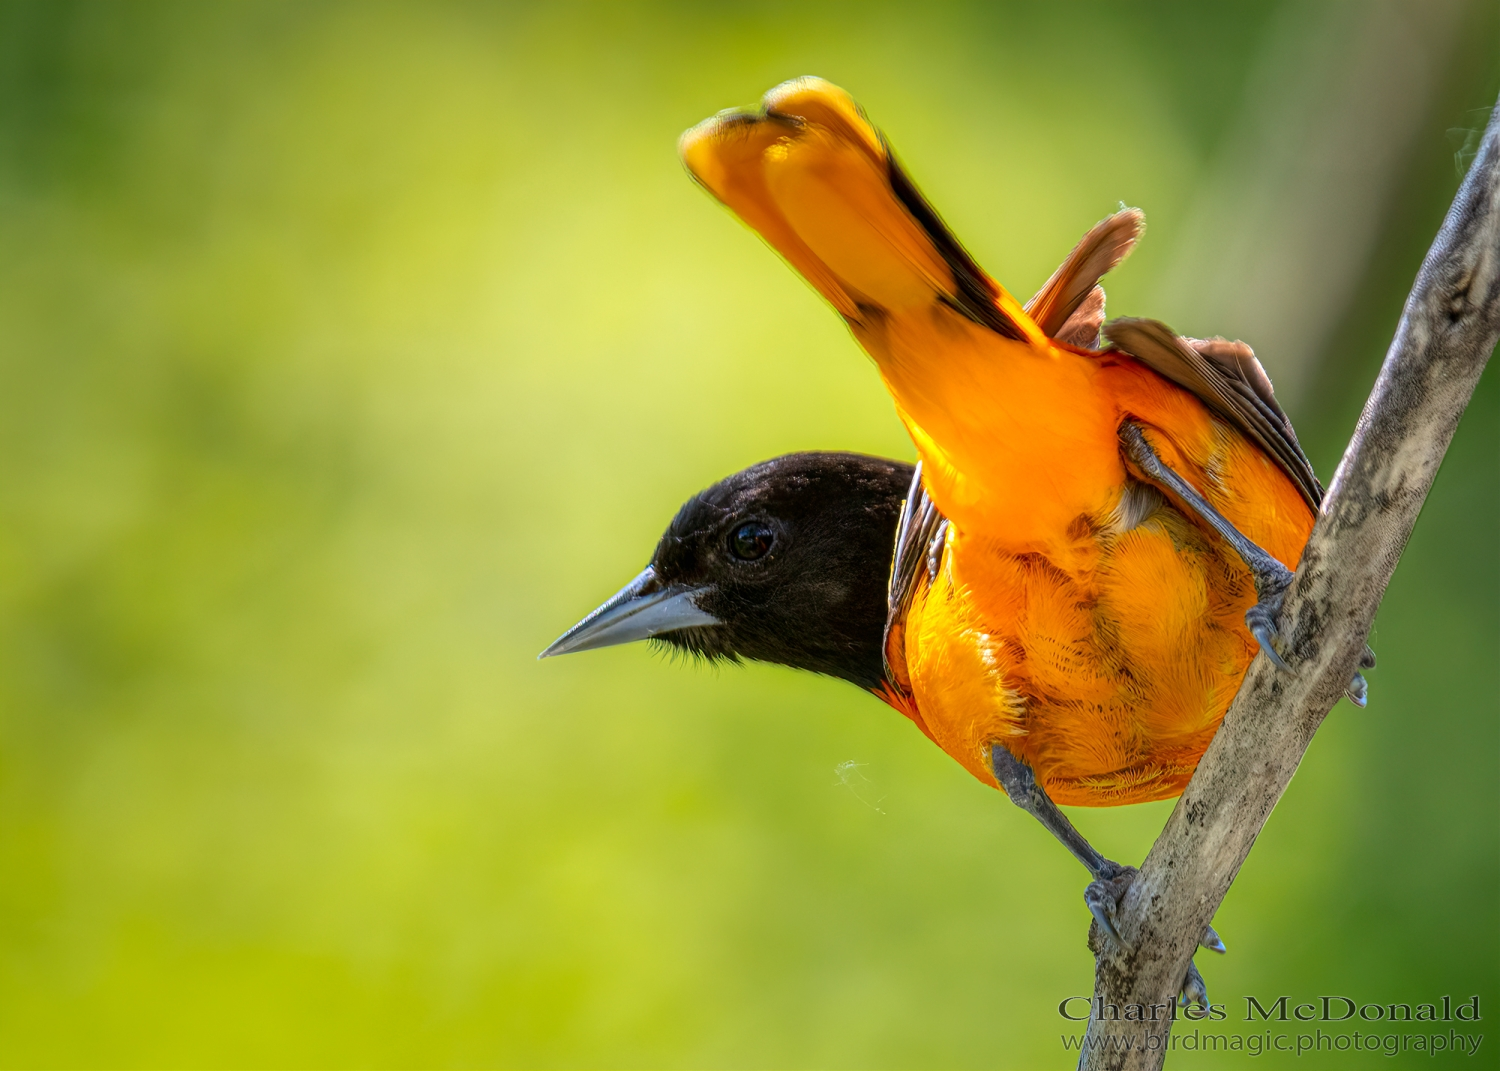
1066, 591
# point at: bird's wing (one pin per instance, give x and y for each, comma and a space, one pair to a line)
1082, 328
1227, 378
1071, 301
918, 542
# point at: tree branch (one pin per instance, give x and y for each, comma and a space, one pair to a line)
1447, 332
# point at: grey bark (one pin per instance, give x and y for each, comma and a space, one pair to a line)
1447, 332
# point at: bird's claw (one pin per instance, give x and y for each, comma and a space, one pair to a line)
1099, 907
1359, 690
1261, 620
1194, 991
1102, 896
1211, 940
1271, 582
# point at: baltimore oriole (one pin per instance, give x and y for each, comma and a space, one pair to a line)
1067, 590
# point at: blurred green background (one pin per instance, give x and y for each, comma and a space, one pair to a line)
349, 352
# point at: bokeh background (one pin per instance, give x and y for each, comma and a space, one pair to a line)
349, 352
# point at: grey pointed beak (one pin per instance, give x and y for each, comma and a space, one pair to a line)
643, 608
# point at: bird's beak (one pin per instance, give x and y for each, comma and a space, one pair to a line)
645, 607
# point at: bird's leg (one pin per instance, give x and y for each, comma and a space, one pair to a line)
1025, 792
1104, 893
1271, 577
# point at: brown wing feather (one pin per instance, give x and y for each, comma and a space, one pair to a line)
1082, 328
1227, 378
1106, 244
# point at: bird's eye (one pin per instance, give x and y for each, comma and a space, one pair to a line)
751, 541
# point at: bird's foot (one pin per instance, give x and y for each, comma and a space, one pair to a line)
1194, 990
1359, 691
1212, 941
1271, 581
1103, 896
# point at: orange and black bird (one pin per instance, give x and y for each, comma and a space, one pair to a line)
1066, 591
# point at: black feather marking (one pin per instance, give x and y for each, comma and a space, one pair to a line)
977, 292
919, 533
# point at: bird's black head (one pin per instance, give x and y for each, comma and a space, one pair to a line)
786, 561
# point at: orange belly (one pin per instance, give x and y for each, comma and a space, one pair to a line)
1106, 662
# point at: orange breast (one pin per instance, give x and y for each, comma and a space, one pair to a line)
1107, 661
